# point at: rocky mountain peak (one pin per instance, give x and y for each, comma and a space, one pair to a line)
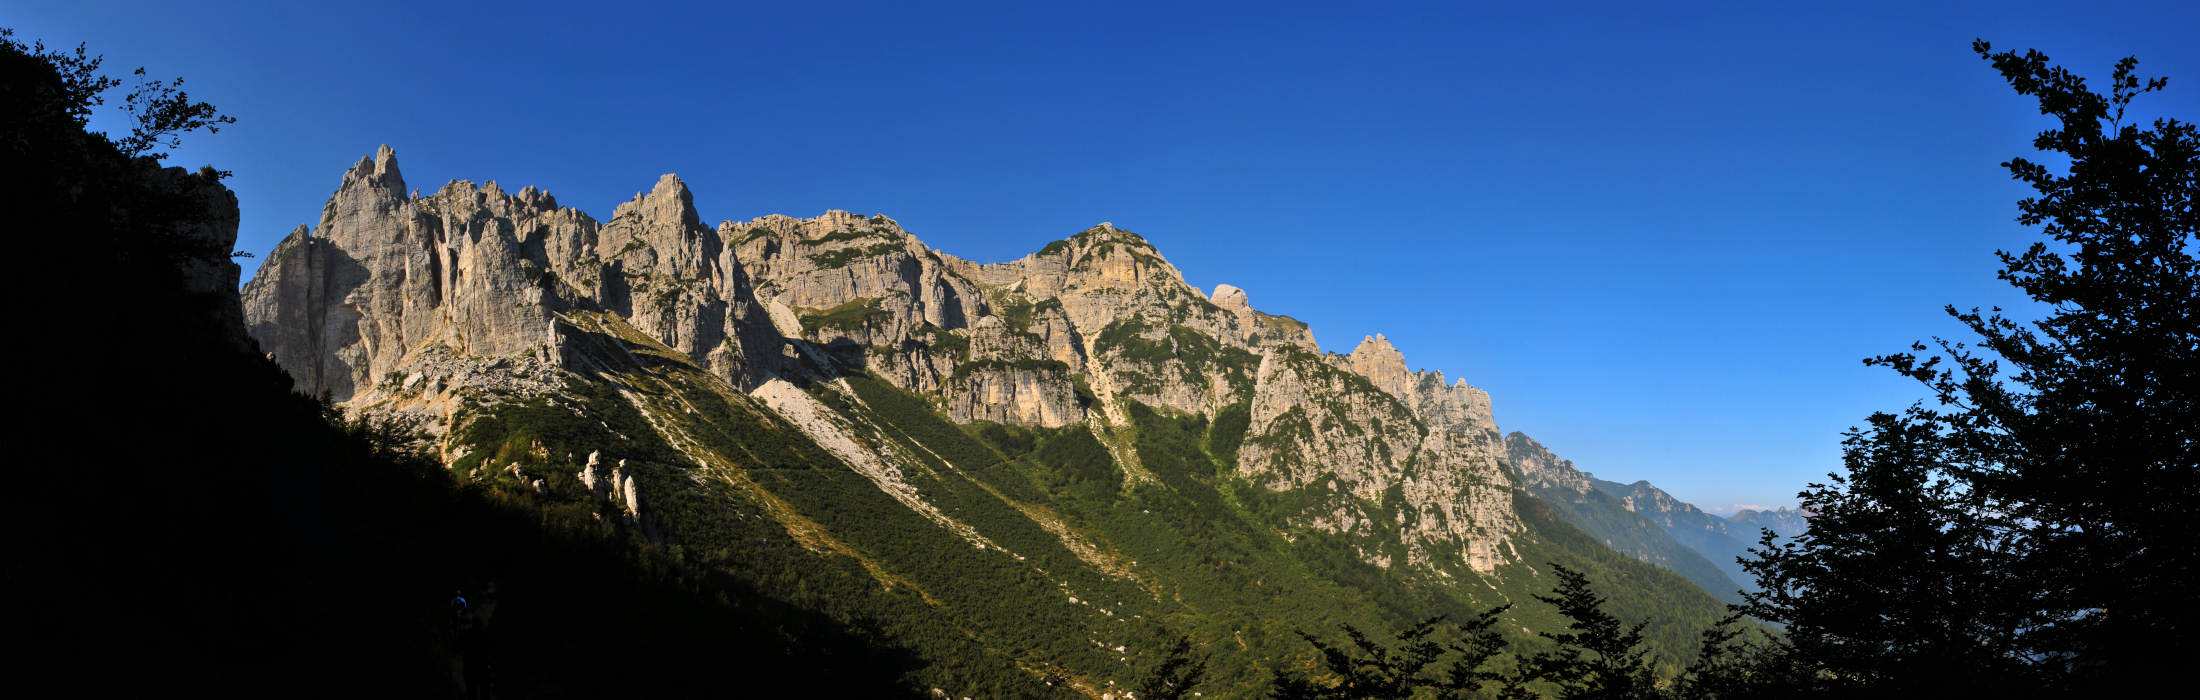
1456, 406
385, 164
376, 172
1383, 365
1104, 237
669, 202
670, 184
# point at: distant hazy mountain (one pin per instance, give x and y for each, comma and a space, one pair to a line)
1034, 472
1785, 522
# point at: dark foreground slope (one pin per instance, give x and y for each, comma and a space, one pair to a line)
179, 519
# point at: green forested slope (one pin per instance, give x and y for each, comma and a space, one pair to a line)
1610, 523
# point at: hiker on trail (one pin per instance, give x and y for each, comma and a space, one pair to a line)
460, 610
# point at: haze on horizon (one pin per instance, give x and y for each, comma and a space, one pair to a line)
1661, 239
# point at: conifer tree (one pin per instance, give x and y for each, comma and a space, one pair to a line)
1598, 657
1408, 668
1174, 676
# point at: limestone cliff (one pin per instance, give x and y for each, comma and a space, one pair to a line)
408, 304
389, 284
1422, 460
1011, 377
1539, 468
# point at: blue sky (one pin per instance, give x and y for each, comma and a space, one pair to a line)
1661, 238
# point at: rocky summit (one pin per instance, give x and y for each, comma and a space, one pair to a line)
1055, 460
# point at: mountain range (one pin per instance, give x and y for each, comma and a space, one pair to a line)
1034, 472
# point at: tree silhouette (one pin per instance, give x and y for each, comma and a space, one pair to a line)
2032, 529
1371, 669
1597, 656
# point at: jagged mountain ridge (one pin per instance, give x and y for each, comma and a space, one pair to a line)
392, 287
754, 380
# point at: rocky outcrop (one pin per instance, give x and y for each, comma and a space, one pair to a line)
826, 267
1460, 485
1230, 299
1454, 405
1538, 467
385, 277
613, 487
204, 240
1010, 377
1025, 394
1058, 337
1382, 365
1310, 420
671, 278
1314, 423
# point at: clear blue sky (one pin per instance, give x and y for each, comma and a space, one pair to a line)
1661, 238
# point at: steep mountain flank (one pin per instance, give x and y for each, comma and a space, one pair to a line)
1708, 534
1324, 425
1629, 517
1034, 472
1574, 495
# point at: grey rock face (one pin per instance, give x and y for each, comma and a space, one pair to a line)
1313, 421
1011, 378
614, 487
1042, 396
1230, 299
386, 277
207, 237
1539, 468
1381, 364
402, 304
826, 263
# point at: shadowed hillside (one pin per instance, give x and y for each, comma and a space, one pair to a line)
185, 521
